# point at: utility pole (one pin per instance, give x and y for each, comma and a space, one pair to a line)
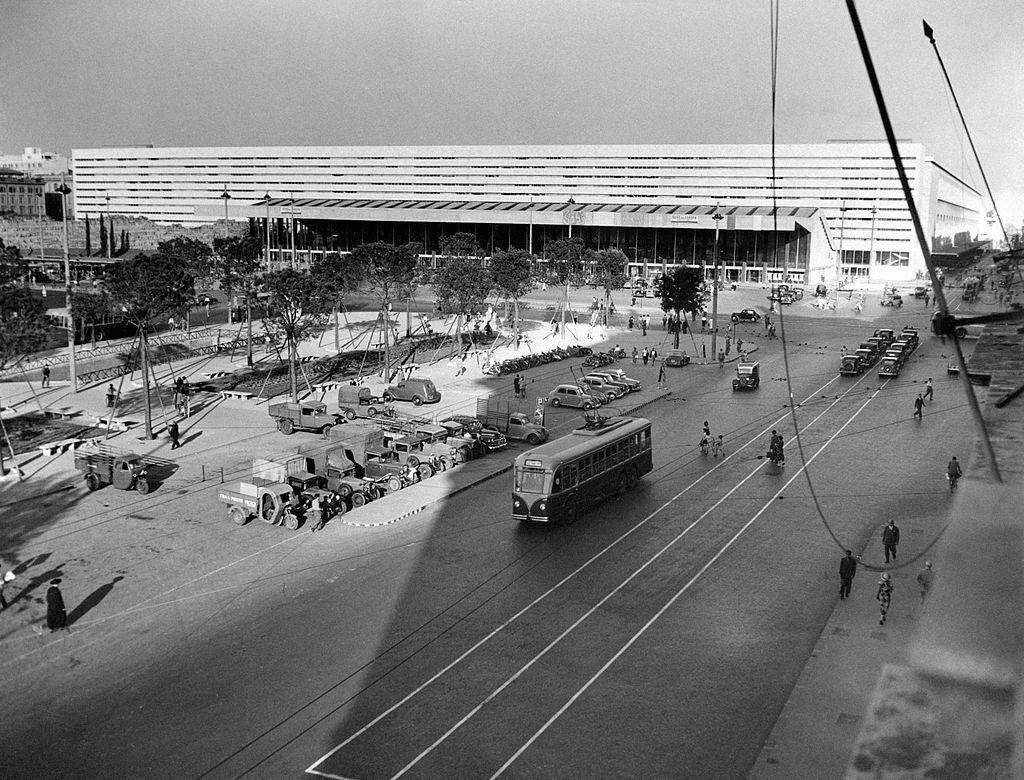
63, 189
225, 196
714, 290
839, 257
110, 232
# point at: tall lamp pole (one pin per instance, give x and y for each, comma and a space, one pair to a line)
717, 216
871, 242
839, 258
42, 249
291, 204
63, 189
110, 232
266, 258
225, 196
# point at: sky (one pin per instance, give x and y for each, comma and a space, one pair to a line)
295, 73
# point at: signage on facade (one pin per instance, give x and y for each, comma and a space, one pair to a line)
692, 220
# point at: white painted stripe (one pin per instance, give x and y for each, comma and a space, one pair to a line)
416, 691
680, 592
606, 597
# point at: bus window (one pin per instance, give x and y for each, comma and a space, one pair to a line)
530, 481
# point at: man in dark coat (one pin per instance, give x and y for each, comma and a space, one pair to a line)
56, 617
175, 433
847, 570
890, 538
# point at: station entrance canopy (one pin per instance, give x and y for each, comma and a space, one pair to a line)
687, 216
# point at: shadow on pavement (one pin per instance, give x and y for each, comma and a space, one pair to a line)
92, 600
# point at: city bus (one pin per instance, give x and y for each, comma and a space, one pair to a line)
559, 479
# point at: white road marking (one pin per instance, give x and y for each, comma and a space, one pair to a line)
312, 769
680, 592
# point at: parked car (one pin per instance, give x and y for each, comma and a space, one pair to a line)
921, 291
603, 390
677, 357
491, 438
621, 387
419, 390
618, 375
574, 396
745, 315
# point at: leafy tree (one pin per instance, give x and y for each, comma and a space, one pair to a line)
149, 287
241, 271
103, 237
297, 311
680, 290
336, 276
462, 286
88, 309
194, 255
512, 278
387, 271
23, 330
609, 273
13, 266
566, 261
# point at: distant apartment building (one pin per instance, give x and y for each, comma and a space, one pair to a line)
831, 210
47, 167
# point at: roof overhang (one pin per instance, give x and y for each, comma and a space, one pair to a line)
524, 212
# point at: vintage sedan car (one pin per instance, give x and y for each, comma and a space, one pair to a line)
676, 357
745, 315
606, 391
618, 375
574, 396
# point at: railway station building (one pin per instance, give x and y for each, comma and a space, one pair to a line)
829, 211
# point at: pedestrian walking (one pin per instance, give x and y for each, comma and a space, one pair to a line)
175, 434
631, 321
919, 407
654, 354
771, 331
636, 354
884, 596
721, 358
645, 356
111, 397
56, 616
718, 446
890, 539
728, 345
46, 376
661, 376
739, 344
928, 390
767, 322
703, 322
186, 399
664, 321
177, 392
924, 579
926, 300
517, 385
643, 325
704, 351
847, 571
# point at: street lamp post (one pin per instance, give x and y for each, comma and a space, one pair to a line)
63, 189
714, 289
266, 258
110, 232
42, 249
291, 209
839, 258
225, 196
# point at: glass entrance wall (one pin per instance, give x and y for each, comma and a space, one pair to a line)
645, 248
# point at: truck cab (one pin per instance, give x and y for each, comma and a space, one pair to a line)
520, 427
309, 415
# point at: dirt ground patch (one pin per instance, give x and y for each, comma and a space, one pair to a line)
28, 431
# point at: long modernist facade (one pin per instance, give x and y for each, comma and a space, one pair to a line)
832, 210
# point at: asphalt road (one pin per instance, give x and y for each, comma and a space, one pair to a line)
659, 635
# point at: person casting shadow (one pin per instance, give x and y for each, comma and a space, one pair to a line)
92, 600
